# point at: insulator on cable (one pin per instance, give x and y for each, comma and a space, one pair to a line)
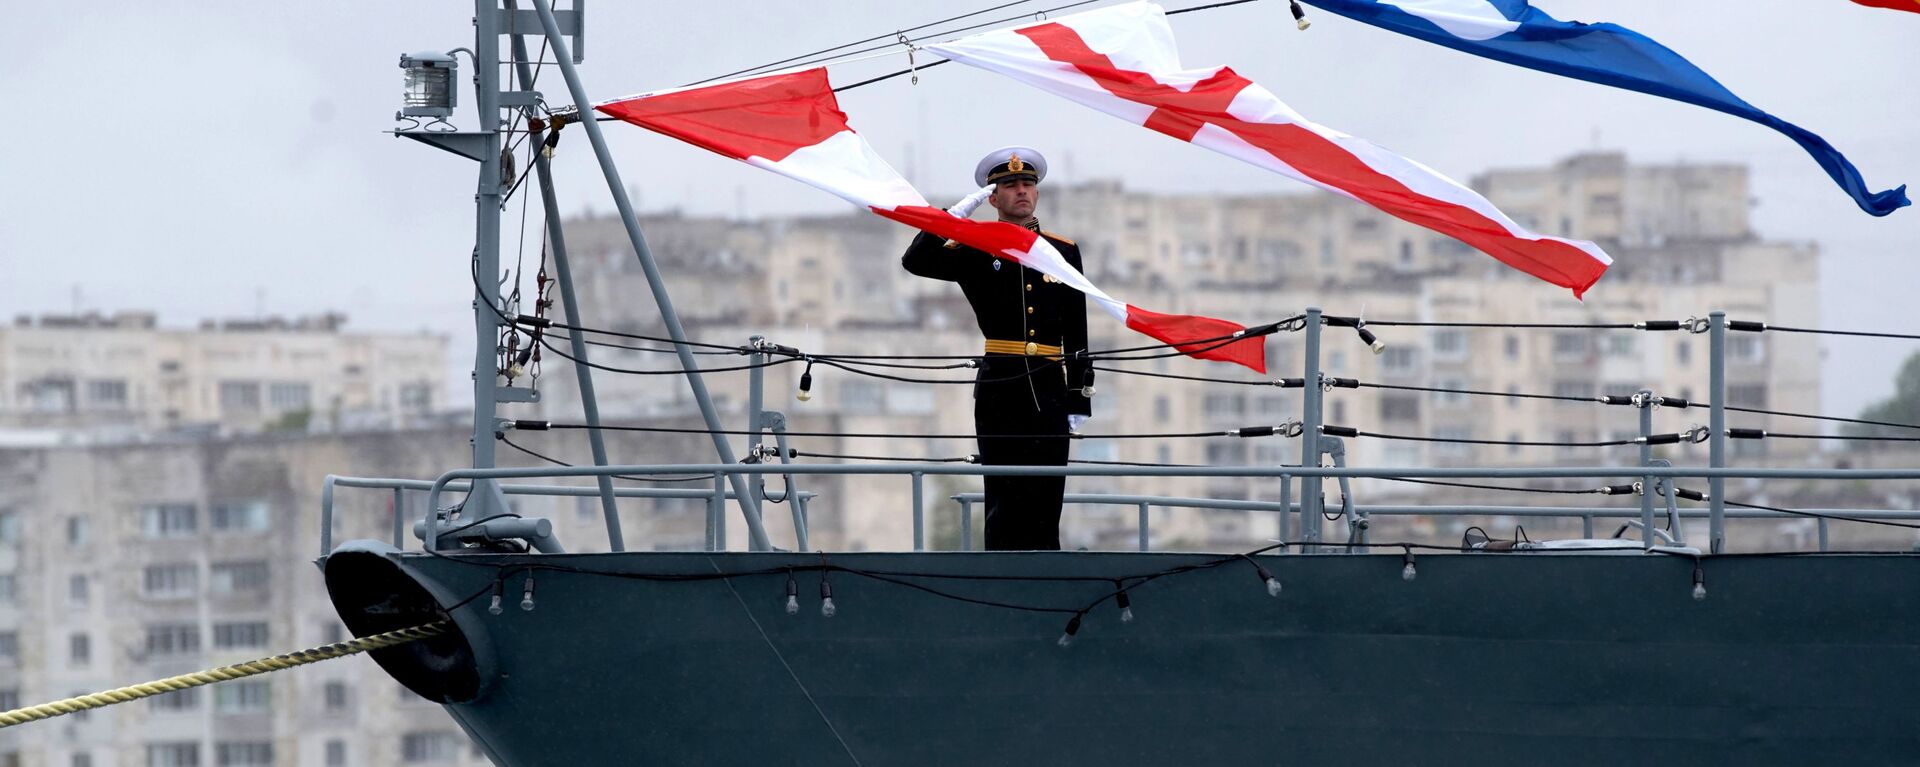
827, 610
1073, 627
1126, 607
494, 606
1699, 583
526, 596
1299, 15
806, 384
1407, 573
793, 595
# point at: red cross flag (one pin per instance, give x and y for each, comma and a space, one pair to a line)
1122, 60
791, 124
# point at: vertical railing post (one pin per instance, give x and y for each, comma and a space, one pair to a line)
919, 512
1586, 526
399, 518
966, 524
1646, 459
1310, 435
756, 419
1823, 532
1145, 510
717, 515
1286, 509
1717, 430
326, 517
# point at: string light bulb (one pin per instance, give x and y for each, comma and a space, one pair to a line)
1073, 627
1372, 341
1699, 583
1126, 606
1273, 584
1408, 573
493, 607
793, 595
1299, 15
526, 596
806, 384
827, 610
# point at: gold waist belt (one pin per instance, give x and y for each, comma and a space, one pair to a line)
1026, 348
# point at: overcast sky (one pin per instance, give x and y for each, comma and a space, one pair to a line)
209, 158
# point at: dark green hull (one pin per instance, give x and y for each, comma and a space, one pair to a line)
1482, 659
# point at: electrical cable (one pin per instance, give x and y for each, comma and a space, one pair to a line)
1859, 333
538, 425
557, 462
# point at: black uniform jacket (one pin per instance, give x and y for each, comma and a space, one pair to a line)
1014, 303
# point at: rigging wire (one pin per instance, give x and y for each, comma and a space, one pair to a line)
1252, 431
893, 35
557, 462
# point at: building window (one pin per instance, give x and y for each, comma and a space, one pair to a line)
910, 400
77, 591
183, 754
1513, 347
1099, 450
80, 759
9, 698
1683, 352
290, 396
1747, 395
1232, 453
1744, 348
240, 396
76, 531
1397, 360
1449, 398
249, 696
232, 636
419, 747
178, 700
1162, 408
169, 520
861, 396
1399, 407
244, 754
171, 581
1570, 346
1223, 406
336, 696
107, 394
9, 526
336, 753
1450, 343
80, 649
242, 516
8, 584
10, 647
416, 397
1339, 413
1450, 446
173, 639
1621, 345
240, 577
1579, 389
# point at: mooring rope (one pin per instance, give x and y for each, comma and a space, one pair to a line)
224, 673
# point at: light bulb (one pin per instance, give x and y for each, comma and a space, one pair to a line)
827, 610
1126, 606
793, 604
526, 597
1273, 586
1699, 592
806, 385
1299, 16
1066, 637
494, 606
1126, 615
1407, 573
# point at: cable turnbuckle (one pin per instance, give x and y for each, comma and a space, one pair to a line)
1696, 325
1695, 434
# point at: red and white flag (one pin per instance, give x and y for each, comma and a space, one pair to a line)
792, 125
1122, 60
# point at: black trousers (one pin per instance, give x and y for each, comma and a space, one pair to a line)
1021, 420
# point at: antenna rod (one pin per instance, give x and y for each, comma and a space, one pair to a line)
756, 532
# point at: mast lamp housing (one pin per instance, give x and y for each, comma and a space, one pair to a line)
430, 87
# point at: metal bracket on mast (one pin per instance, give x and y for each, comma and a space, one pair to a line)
470, 145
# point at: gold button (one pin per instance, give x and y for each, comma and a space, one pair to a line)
1032, 348
1029, 310
1029, 287
1029, 334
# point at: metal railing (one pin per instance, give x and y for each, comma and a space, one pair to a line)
715, 498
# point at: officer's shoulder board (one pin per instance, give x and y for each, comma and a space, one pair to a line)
1066, 240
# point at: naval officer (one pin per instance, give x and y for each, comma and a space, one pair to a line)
1034, 384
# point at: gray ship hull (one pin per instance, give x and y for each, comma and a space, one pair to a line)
1482, 659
